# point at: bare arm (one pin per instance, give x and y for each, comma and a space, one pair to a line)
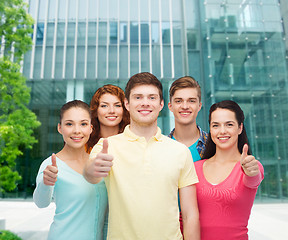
190, 213
98, 167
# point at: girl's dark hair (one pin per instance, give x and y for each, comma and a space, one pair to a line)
94, 104
232, 106
76, 104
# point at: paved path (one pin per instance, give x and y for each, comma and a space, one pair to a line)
267, 221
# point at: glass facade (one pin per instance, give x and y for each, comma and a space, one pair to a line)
236, 50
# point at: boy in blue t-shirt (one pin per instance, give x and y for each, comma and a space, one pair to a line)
185, 103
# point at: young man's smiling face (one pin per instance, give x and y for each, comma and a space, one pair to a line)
144, 105
185, 105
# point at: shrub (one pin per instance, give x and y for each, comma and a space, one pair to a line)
7, 235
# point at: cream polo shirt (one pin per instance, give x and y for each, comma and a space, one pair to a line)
143, 185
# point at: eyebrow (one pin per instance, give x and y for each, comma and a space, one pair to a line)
108, 102
83, 120
141, 94
179, 98
224, 122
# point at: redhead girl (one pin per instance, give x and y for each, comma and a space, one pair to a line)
109, 116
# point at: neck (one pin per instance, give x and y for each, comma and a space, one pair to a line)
77, 154
107, 131
186, 134
227, 155
147, 131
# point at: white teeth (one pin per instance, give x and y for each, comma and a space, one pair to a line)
223, 138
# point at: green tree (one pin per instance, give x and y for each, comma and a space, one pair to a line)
17, 122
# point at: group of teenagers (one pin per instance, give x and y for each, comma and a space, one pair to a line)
118, 177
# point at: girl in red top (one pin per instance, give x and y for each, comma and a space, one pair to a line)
228, 176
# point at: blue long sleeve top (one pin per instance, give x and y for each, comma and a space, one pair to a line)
81, 208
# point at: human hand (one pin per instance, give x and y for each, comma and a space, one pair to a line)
249, 163
101, 165
50, 172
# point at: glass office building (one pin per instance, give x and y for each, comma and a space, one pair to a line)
236, 49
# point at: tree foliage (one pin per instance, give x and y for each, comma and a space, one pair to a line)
17, 122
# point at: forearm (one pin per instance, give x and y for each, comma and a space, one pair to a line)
190, 213
42, 195
191, 228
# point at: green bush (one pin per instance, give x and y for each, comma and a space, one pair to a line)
7, 235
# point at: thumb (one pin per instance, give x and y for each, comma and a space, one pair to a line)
244, 152
105, 146
53, 158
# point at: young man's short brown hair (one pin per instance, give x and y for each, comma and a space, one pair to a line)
144, 78
185, 82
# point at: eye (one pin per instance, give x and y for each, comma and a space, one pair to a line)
84, 124
68, 124
103, 105
118, 105
192, 101
214, 125
178, 101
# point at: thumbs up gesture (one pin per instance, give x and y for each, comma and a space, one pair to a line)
50, 172
101, 165
249, 163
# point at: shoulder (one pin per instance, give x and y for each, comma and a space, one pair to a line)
47, 161
170, 141
117, 139
199, 164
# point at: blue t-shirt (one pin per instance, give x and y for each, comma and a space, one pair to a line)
193, 150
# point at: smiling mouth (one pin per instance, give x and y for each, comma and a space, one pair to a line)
185, 113
145, 111
223, 138
76, 138
111, 117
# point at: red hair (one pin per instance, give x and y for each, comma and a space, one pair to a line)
94, 104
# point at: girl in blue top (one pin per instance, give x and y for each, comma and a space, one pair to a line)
81, 207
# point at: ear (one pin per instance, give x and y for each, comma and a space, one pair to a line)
126, 104
170, 106
200, 106
59, 128
240, 129
161, 104
91, 129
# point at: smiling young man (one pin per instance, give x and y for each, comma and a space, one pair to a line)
148, 171
185, 103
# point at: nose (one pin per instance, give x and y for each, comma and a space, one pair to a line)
76, 128
184, 105
145, 101
222, 129
111, 109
